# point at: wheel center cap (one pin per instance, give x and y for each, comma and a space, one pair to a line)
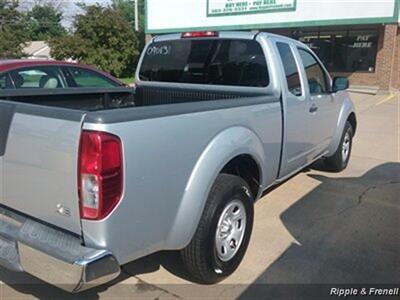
230, 230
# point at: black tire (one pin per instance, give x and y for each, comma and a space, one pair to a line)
200, 257
337, 162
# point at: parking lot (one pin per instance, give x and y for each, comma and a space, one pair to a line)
316, 228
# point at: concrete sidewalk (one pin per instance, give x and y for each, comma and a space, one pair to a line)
316, 228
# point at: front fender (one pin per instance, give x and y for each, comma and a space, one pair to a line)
228, 144
346, 109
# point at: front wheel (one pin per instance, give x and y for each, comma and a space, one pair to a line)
223, 234
339, 161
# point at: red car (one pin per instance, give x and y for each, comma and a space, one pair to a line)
20, 74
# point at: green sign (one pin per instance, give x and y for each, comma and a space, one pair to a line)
234, 7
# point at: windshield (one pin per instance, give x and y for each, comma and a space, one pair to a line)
206, 61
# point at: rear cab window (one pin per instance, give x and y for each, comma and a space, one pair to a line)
206, 61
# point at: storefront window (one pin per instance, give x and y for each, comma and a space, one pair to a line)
345, 50
309, 38
361, 51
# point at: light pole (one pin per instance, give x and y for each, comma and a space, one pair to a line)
136, 15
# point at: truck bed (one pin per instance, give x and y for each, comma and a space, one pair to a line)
88, 99
91, 99
41, 133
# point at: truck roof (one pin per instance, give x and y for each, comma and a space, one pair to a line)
249, 35
220, 34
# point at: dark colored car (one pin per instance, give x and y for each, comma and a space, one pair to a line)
21, 74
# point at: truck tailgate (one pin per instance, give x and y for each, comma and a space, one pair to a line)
38, 166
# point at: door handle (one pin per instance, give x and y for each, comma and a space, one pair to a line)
313, 108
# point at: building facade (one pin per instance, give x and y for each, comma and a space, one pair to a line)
359, 39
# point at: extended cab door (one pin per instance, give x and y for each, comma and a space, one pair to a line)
321, 104
295, 105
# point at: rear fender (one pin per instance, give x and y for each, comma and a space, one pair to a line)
224, 147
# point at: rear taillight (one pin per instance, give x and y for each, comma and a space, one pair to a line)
100, 174
199, 34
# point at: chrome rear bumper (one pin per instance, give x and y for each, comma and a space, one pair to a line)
52, 255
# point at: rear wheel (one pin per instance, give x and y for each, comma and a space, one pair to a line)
223, 234
339, 161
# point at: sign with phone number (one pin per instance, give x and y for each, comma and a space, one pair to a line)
233, 7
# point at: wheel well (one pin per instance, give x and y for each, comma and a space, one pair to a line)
353, 121
247, 168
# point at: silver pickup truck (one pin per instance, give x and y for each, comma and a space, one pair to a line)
88, 183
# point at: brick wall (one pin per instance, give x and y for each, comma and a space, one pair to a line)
396, 63
385, 57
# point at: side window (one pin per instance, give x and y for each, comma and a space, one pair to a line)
5, 82
38, 77
87, 78
291, 70
316, 77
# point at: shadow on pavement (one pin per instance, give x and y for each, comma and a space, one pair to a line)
29, 285
347, 232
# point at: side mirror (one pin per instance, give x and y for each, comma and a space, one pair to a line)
340, 84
